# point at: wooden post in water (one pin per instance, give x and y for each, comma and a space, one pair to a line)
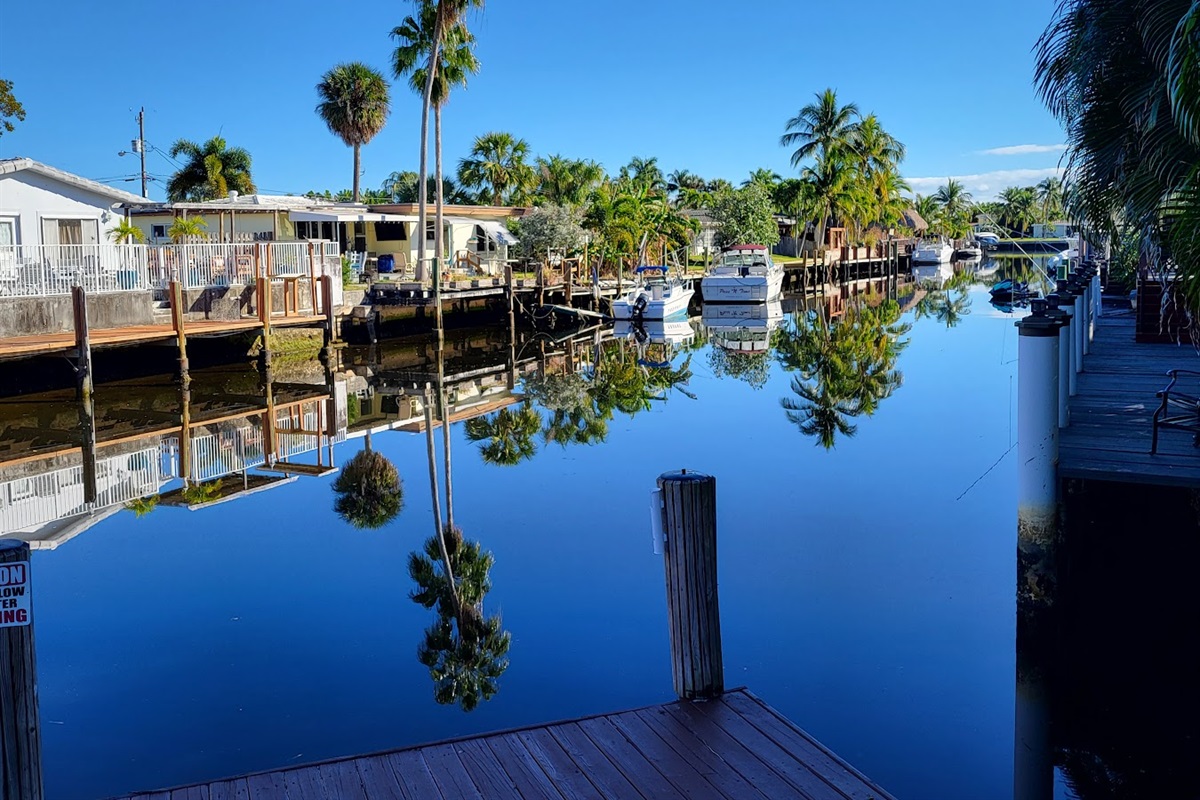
87, 450
313, 277
176, 290
689, 524
20, 728
83, 344
327, 305
568, 280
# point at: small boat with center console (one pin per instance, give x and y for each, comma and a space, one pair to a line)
745, 273
657, 295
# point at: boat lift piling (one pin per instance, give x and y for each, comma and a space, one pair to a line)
1037, 423
20, 722
1055, 309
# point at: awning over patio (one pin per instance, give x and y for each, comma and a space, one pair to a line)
353, 215
494, 230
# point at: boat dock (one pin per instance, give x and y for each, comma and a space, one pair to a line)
735, 747
1111, 415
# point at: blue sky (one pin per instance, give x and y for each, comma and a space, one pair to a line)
702, 85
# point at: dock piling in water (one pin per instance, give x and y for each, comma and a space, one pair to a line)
689, 514
1037, 422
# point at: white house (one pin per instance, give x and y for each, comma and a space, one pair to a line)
41, 205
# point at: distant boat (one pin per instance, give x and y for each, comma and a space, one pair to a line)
986, 239
656, 296
1010, 290
968, 252
745, 273
934, 251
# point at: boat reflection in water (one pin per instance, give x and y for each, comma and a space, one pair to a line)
742, 336
932, 274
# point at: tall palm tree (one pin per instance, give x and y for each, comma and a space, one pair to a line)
369, 491
455, 61
1050, 197
497, 168
953, 198
209, 172
354, 106
567, 181
645, 173
820, 128
767, 178
1019, 207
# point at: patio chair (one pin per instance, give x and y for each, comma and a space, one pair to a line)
1178, 410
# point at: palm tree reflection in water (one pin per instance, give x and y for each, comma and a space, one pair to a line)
845, 367
465, 651
368, 490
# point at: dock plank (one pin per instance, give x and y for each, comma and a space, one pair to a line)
1112, 412
732, 747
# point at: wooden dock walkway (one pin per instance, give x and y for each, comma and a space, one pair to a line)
733, 747
1109, 435
49, 343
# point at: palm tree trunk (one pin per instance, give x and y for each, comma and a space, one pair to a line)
439, 531
357, 169
446, 453
438, 202
423, 178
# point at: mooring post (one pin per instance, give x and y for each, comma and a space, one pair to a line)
331, 334
1055, 310
20, 727
1066, 303
1080, 320
1037, 423
1085, 286
83, 343
689, 525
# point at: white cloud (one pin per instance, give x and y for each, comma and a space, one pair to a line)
986, 185
1023, 149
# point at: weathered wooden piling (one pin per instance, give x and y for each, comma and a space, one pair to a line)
83, 343
689, 520
20, 727
331, 333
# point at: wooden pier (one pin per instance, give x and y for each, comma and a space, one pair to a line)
735, 747
1111, 415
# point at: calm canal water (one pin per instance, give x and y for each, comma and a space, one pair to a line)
868, 590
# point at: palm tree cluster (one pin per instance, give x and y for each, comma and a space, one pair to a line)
845, 368
849, 169
209, 171
1123, 77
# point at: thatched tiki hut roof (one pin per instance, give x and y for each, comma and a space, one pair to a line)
914, 220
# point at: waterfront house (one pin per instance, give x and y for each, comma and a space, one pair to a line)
44, 206
476, 236
1059, 229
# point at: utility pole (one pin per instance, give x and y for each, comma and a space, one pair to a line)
141, 145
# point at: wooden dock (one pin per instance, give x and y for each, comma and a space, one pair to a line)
733, 747
50, 343
1109, 435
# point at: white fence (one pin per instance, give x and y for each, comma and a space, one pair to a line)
30, 502
34, 270
41, 270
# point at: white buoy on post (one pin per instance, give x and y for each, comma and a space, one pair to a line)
1037, 422
1066, 303
689, 521
1055, 310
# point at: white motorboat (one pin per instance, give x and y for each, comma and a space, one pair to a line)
656, 296
987, 239
745, 328
745, 273
969, 252
932, 251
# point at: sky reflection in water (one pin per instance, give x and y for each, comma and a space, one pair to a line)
863, 593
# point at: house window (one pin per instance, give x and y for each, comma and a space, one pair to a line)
429, 229
391, 232
8, 231
158, 231
70, 231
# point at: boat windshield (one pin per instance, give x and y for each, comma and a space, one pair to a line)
744, 259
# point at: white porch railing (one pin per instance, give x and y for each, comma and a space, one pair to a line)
33, 270
30, 502
43, 270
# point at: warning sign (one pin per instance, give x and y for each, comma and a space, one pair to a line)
14, 594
